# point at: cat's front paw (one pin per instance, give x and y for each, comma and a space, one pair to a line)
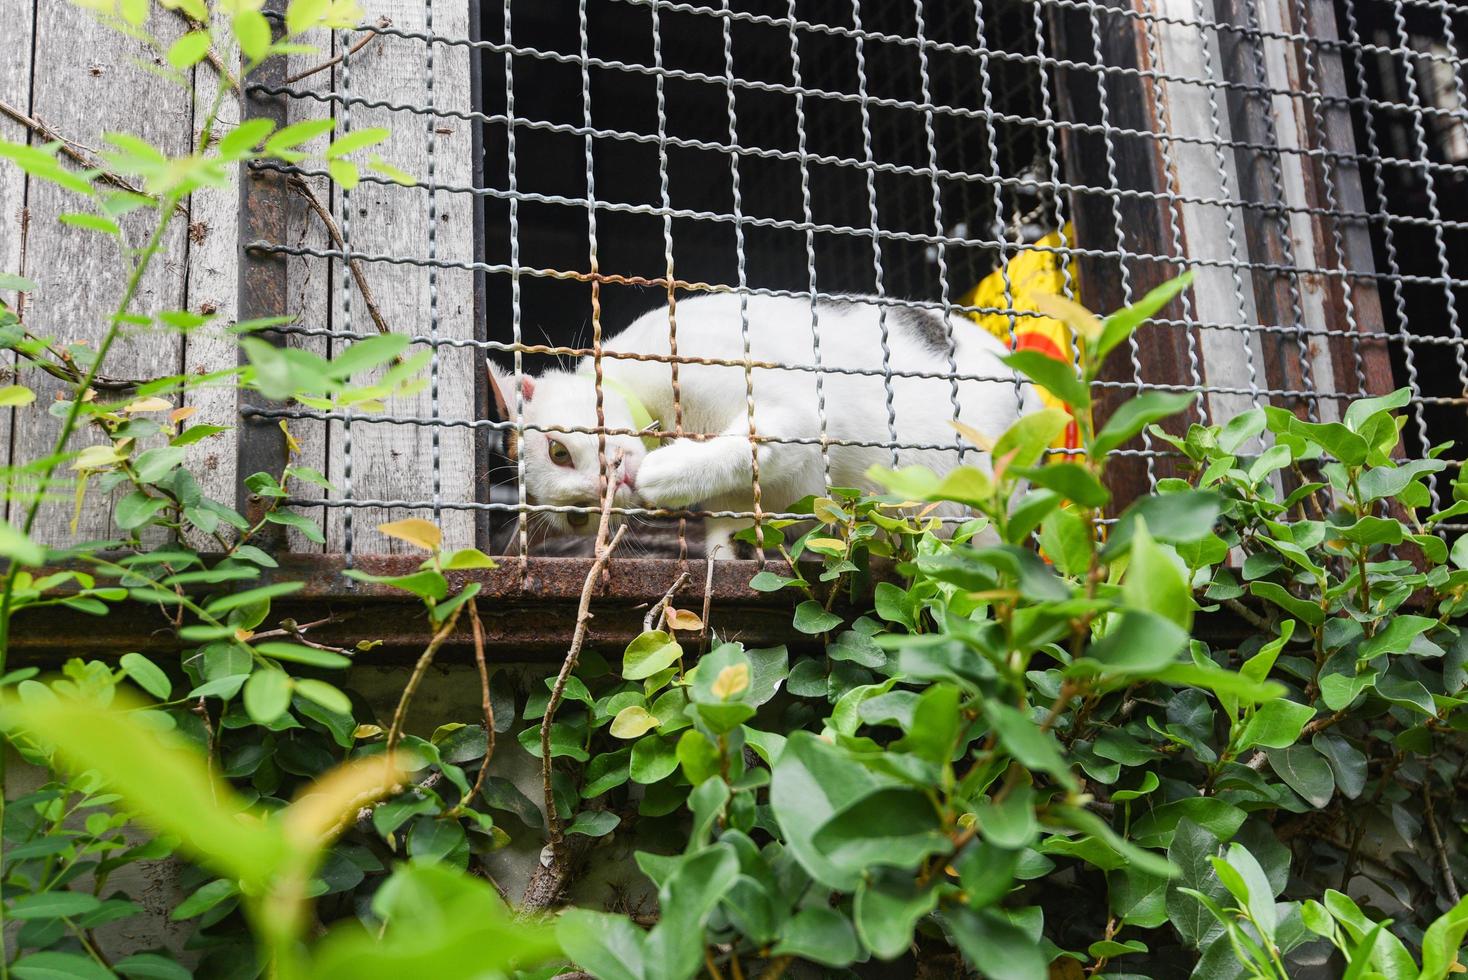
667, 479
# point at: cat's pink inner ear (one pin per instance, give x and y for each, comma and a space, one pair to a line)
527, 386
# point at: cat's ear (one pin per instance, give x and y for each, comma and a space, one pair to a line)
498, 385
502, 385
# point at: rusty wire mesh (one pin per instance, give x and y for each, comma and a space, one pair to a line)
1305, 158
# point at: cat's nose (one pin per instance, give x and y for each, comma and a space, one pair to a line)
629, 473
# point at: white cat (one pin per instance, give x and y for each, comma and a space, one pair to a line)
715, 474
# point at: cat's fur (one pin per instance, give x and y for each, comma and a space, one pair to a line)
715, 474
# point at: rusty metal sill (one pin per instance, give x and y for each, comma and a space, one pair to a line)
528, 611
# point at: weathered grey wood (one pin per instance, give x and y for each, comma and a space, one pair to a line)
309, 280
396, 461
82, 69
15, 85
212, 288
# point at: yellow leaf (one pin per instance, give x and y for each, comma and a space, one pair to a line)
14, 396
330, 804
416, 531
154, 404
96, 458
366, 731
832, 545
732, 681
682, 619
632, 721
290, 440
974, 436
179, 414
1072, 314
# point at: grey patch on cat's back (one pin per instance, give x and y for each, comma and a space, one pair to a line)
920, 323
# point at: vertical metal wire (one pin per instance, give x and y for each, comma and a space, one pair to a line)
432, 126
1159, 94
1394, 268
808, 219
1116, 219
591, 248
522, 510
1286, 233
1052, 152
942, 248
869, 158
986, 97
1225, 193
1328, 165
665, 198
743, 279
346, 224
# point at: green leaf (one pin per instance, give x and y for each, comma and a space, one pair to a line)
1303, 609
151, 966
252, 31
886, 910
651, 652
1176, 518
811, 781
1190, 852
1135, 414
891, 827
357, 139
1057, 377
821, 935
327, 695
297, 653
427, 584
687, 898
162, 780
291, 137
52, 905
594, 823
1155, 580
1137, 642
16, 396
252, 596
1442, 941
52, 965
812, 618
1347, 762
1010, 824
1275, 725
468, 558
91, 222
653, 758
1221, 682
936, 723
1121, 324
1072, 481
267, 695
146, 675
608, 945
1029, 437
994, 945
1031, 747
16, 545
1259, 897
188, 50
1305, 771
205, 898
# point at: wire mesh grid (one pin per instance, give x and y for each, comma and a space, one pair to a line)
1305, 158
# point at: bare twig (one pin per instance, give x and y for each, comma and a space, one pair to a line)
333, 230
653, 615
381, 23
708, 599
1437, 845
73, 150
395, 732
604, 551
488, 702
1248, 615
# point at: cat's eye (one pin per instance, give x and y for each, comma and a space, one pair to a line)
559, 454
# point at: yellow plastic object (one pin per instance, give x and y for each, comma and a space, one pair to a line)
1032, 272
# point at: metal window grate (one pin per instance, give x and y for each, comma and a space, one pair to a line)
1306, 158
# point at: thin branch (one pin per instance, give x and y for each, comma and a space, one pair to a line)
73, 150
655, 613
488, 702
1248, 615
395, 732
381, 23
708, 599
573, 655
1437, 845
299, 185
777, 968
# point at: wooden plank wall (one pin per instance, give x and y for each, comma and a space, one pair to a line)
81, 71
395, 462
